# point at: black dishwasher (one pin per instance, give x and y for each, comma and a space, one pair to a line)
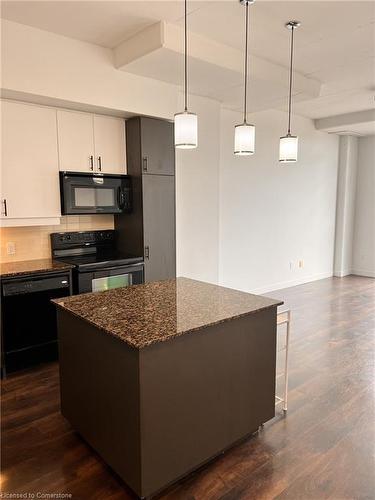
28, 326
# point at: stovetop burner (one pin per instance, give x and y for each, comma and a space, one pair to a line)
89, 249
98, 261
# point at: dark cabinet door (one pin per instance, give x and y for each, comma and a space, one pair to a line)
159, 227
157, 147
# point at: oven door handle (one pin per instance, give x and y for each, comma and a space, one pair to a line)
89, 268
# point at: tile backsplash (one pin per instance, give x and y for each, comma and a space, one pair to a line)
33, 242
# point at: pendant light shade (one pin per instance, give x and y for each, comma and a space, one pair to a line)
244, 134
288, 151
186, 123
186, 130
244, 139
288, 148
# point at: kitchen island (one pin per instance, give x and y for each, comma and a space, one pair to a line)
162, 377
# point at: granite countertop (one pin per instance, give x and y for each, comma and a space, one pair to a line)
142, 315
11, 269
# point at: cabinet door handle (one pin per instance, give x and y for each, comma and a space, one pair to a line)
147, 252
145, 163
5, 213
99, 163
91, 162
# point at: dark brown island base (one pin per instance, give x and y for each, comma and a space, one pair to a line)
162, 377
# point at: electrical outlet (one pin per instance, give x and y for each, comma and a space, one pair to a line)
11, 248
301, 263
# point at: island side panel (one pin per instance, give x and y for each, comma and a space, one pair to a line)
202, 392
100, 393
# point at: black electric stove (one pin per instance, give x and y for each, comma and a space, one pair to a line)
98, 265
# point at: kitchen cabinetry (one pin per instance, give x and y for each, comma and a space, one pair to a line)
150, 229
158, 156
29, 170
37, 141
76, 141
90, 142
159, 226
109, 135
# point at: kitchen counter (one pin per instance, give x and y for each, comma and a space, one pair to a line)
26, 267
160, 378
159, 311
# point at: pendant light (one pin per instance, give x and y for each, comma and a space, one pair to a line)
288, 151
244, 134
186, 123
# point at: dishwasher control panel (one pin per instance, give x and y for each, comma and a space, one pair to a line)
35, 285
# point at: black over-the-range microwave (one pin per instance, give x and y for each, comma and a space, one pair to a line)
86, 193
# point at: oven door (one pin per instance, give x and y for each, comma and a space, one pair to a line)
106, 279
94, 194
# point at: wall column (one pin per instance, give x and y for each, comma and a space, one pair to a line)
345, 208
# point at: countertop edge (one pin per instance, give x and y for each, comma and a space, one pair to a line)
33, 272
59, 304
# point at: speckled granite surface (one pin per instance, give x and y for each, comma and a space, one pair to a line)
9, 269
143, 315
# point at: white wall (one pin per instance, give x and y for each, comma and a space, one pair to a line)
364, 231
272, 214
45, 64
197, 179
39, 63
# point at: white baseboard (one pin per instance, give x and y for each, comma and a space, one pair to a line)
289, 283
362, 272
341, 274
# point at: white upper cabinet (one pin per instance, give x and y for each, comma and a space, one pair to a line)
76, 141
109, 134
37, 142
90, 142
29, 164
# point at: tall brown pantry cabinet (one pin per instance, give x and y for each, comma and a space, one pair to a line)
150, 230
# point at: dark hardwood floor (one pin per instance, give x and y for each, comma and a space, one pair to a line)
324, 448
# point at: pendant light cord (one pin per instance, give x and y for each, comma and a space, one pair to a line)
246, 58
290, 80
186, 63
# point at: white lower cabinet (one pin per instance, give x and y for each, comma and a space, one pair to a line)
29, 165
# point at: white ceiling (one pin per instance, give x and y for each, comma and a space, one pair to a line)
356, 123
105, 23
334, 45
